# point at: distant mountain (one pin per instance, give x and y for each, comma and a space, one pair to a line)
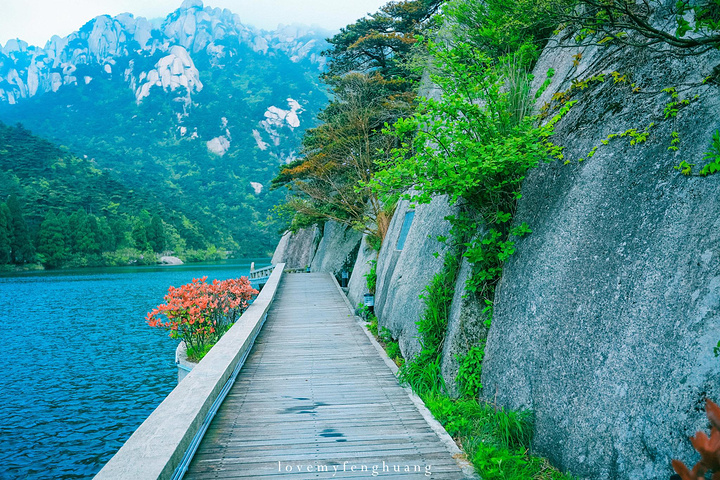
198, 108
163, 50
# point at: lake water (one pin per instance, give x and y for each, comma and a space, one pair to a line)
79, 368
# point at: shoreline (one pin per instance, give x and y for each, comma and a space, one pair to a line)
39, 270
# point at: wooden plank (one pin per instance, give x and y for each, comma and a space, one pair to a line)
315, 392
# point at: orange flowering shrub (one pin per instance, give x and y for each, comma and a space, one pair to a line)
199, 313
707, 447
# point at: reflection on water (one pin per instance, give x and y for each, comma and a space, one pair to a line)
80, 368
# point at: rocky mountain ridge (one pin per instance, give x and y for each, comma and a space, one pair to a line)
146, 53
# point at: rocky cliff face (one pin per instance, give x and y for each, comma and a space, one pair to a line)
357, 284
297, 250
337, 250
146, 53
607, 315
332, 249
406, 266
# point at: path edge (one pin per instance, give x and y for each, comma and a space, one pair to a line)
457, 454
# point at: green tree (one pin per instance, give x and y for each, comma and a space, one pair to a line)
105, 235
51, 242
21, 247
339, 156
5, 235
140, 232
156, 234
91, 243
374, 84
382, 42
82, 232
120, 228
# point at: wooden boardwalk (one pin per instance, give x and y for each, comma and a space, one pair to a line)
315, 394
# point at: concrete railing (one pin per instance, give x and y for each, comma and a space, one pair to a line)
260, 272
160, 445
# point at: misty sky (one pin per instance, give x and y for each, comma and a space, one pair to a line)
35, 21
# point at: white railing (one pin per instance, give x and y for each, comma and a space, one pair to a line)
261, 273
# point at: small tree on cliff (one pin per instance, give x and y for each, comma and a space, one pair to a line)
340, 155
373, 85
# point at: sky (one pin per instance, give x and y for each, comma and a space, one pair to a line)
35, 21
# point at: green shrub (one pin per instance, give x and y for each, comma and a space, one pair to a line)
713, 156
371, 276
195, 354
470, 371
372, 324
423, 372
495, 440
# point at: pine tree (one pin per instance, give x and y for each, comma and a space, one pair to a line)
139, 235
51, 241
156, 234
105, 236
120, 228
83, 233
91, 232
64, 222
21, 248
381, 43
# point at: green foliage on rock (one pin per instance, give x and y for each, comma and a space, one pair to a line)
422, 372
496, 441
469, 377
476, 142
371, 276
712, 156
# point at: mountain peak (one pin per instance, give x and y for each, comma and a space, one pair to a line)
14, 45
188, 4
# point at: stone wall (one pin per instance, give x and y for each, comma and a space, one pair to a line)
357, 286
337, 248
297, 250
607, 315
404, 274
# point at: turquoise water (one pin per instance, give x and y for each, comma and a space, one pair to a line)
79, 368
